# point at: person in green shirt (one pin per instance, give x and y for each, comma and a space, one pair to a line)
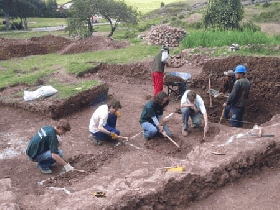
43, 147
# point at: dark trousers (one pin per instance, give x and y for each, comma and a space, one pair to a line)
236, 118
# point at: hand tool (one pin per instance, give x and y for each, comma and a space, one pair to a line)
164, 134
223, 112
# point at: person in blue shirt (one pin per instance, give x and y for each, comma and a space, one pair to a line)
151, 116
43, 147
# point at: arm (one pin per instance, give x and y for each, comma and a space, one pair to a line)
58, 159
233, 94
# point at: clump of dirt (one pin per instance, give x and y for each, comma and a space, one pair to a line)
264, 76
169, 80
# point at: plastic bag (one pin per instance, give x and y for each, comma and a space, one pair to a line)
41, 92
164, 56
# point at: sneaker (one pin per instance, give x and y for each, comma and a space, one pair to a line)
195, 126
184, 132
45, 170
118, 144
97, 142
53, 164
90, 137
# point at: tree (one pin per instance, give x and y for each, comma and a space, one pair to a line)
223, 14
115, 12
21, 9
78, 22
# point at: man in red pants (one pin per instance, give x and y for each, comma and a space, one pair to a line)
158, 69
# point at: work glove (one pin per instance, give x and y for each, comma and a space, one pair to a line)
114, 136
118, 114
68, 167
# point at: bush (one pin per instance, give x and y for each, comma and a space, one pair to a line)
250, 26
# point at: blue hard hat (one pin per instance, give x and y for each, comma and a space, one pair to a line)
240, 69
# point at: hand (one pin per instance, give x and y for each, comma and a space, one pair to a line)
113, 135
224, 105
68, 167
160, 128
164, 133
118, 114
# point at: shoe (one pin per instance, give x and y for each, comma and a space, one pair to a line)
97, 142
53, 164
45, 170
194, 126
90, 137
184, 132
118, 144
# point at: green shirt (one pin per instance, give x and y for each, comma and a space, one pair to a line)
150, 110
44, 140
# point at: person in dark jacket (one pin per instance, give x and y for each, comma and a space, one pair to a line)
226, 88
227, 82
151, 116
158, 69
238, 97
43, 147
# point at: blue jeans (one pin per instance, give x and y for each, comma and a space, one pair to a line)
236, 117
110, 126
45, 159
150, 130
189, 112
227, 110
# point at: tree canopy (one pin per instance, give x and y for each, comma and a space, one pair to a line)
223, 14
115, 12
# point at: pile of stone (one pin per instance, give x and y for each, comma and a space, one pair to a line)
165, 35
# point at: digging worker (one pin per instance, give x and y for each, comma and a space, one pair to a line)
238, 97
158, 69
192, 106
43, 147
151, 116
102, 124
227, 83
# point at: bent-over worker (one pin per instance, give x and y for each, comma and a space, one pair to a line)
151, 116
43, 147
192, 106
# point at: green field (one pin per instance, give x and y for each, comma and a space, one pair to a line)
145, 6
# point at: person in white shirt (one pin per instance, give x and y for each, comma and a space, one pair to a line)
192, 105
102, 124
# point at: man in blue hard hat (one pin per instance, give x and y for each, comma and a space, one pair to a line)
238, 98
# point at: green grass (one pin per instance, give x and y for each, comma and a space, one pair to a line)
30, 34
67, 90
220, 38
29, 69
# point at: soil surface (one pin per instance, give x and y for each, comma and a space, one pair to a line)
132, 85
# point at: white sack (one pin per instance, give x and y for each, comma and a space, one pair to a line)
41, 92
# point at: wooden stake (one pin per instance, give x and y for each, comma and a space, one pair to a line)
210, 92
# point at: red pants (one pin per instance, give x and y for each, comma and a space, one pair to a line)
157, 78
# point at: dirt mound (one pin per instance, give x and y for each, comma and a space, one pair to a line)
11, 48
264, 76
93, 43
